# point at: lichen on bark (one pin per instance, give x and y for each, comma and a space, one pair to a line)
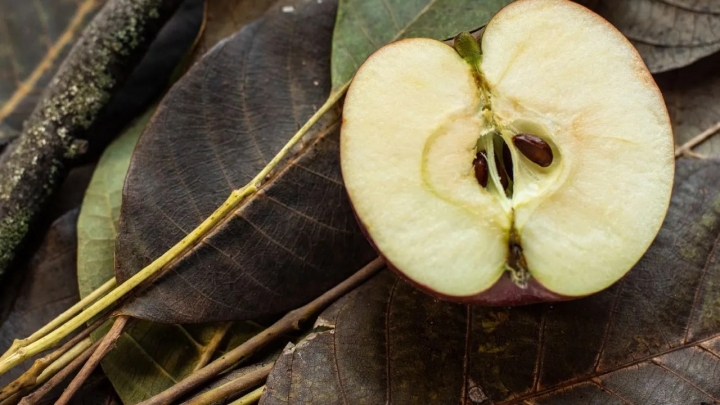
54, 134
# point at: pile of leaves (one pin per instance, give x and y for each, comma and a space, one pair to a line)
218, 94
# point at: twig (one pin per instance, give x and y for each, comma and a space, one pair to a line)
106, 344
233, 387
212, 346
291, 321
62, 318
251, 397
59, 377
55, 133
687, 146
153, 270
31, 376
54, 368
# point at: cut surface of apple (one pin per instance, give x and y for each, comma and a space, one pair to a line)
560, 117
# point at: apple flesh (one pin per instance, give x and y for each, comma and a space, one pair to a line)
549, 76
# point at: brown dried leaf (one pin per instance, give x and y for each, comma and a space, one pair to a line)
653, 338
667, 34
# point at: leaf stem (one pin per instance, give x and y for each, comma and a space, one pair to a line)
153, 269
291, 321
233, 387
250, 398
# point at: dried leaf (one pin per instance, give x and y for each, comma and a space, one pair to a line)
35, 37
213, 132
225, 17
702, 6
297, 237
653, 338
150, 357
692, 96
48, 289
668, 34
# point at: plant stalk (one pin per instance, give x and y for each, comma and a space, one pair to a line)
62, 373
154, 268
44, 364
291, 321
106, 344
62, 318
251, 397
233, 387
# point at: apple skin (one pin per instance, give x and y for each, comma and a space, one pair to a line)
504, 293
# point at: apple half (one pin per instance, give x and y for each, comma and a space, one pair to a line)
536, 165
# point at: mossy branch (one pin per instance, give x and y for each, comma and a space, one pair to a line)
55, 133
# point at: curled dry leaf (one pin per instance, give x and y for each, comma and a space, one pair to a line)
653, 338
668, 34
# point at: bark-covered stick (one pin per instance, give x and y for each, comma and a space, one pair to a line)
54, 134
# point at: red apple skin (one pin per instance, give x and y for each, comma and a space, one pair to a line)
504, 293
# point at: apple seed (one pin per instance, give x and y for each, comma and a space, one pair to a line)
481, 168
534, 148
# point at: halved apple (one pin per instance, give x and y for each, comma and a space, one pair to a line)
539, 168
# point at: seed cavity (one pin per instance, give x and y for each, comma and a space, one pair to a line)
481, 168
501, 171
507, 160
534, 148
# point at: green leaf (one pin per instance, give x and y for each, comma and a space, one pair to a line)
97, 223
35, 37
652, 338
150, 357
365, 25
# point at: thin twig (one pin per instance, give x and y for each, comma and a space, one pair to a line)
54, 368
62, 318
30, 377
251, 397
60, 376
291, 321
687, 146
154, 269
106, 344
233, 387
212, 346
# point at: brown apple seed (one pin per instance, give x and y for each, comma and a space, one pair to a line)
534, 148
481, 168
